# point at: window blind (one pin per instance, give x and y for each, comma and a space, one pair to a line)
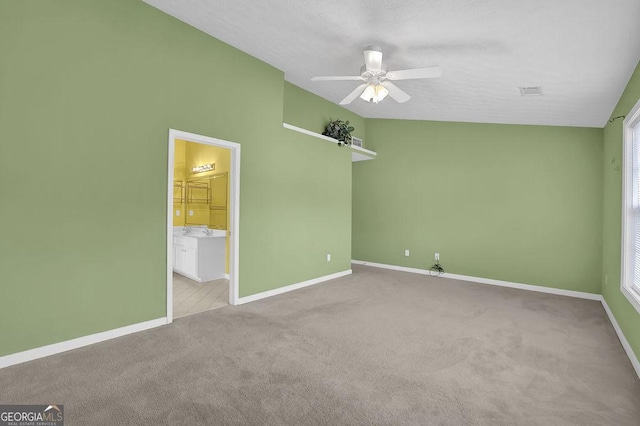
635, 208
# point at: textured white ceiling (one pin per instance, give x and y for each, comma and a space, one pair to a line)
582, 52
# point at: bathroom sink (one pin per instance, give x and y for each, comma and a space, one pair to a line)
213, 233
217, 233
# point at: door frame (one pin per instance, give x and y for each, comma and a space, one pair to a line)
234, 212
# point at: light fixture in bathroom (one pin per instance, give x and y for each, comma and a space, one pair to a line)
204, 168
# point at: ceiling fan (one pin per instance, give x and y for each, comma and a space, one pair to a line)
377, 80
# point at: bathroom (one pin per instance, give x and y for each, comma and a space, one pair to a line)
200, 227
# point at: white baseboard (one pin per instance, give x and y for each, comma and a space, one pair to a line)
625, 343
79, 342
291, 287
227, 276
529, 287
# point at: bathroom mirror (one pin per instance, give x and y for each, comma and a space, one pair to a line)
206, 200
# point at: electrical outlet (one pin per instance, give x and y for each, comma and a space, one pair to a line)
406, 252
329, 258
177, 212
437, 256
190, 212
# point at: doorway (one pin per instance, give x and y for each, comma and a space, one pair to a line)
191, 234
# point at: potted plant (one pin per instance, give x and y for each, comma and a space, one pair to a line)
339, 130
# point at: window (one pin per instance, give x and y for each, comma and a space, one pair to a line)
630, 282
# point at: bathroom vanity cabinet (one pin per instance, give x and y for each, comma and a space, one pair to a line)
201, 258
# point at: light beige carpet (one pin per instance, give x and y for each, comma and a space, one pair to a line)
377, 347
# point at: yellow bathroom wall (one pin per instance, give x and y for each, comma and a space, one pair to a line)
178, 175
196, 154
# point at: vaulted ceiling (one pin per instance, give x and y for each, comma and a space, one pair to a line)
581, 52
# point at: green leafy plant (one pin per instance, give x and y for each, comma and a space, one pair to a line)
339, 130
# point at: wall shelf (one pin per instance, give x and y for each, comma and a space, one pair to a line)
361, 154
357, 153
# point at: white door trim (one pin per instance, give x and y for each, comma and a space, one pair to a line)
234, 209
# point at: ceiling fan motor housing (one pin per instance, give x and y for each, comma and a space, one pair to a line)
365, 74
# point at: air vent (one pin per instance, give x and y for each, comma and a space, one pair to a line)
531, 91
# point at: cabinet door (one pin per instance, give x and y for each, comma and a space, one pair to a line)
177, 257
190, 261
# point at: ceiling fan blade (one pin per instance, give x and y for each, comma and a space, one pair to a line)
373, 58
356, 92
429, 72
395, 92
337, 78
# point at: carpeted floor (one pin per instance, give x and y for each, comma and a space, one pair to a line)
376, 347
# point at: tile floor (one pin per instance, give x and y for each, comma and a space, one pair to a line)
190, 297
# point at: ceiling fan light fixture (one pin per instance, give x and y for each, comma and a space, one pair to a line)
374, 93
381, 91
376, 82
369, 93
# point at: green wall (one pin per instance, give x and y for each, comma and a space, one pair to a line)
514, 203
88, 92
626, 315
311, 112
